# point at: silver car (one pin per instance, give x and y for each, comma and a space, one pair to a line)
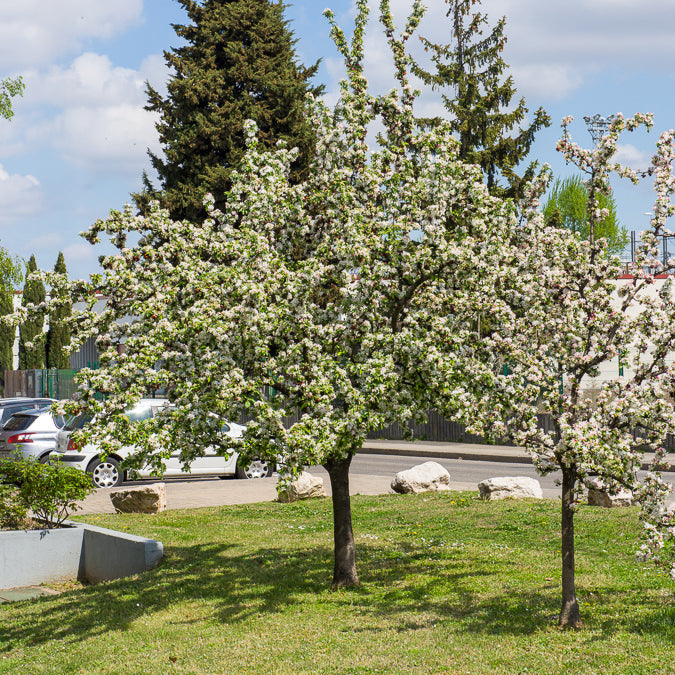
108, 472
31, 433
9, 406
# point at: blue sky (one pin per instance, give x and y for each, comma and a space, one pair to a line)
76, 147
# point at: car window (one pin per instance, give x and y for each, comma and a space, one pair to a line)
10, 410
19, 422
59, 421
77, 421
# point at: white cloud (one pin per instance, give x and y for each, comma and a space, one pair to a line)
48, 244
552, 46
105, 138
35, 32
551, 81
633, 157
80, 252
90, 79
20, 196
93, 112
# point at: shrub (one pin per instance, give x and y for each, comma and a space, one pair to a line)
49, 491
13, 513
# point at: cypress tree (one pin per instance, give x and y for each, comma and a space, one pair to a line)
31, 331
239, 63
58, 334
471, 67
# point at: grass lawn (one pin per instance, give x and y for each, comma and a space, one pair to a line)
450, 585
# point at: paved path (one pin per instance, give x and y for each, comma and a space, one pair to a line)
197, 492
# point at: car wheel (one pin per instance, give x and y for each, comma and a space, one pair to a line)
105, 473
258, 468
44, 459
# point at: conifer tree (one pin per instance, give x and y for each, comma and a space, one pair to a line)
31, 336
238, 63
471, 68
58, 334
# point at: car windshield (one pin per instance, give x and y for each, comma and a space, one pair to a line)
137, 414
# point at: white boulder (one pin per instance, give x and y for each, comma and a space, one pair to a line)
427, 477
142, 499
598, 496
305, 486
510, 487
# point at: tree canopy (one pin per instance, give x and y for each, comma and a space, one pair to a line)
479, 100
238, 63
9, 87
573, 318
567, 206
309, 296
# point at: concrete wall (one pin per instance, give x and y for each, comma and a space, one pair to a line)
84, 552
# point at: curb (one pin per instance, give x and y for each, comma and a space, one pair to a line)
479, 453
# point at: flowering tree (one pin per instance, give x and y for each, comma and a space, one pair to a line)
9, 87
562, 316
346, 297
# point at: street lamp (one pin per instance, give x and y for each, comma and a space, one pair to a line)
597, 126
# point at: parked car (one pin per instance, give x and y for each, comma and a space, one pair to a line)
107, 472
31, 433
9, 406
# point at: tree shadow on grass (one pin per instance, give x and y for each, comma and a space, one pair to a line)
408, 591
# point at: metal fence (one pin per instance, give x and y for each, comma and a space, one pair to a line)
437, 428
59, 384
47, 382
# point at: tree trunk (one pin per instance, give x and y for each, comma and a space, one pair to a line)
344, 572
569, 612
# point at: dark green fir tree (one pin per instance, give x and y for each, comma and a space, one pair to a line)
469, 70
238, 62
31, 335
58, 333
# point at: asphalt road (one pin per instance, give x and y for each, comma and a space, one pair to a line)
461, 470
370, 474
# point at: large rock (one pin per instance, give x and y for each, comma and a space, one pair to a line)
598, 496
305, 486
427, 477
510, 487
143, 499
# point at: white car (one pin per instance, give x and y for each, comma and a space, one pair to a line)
108, 473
